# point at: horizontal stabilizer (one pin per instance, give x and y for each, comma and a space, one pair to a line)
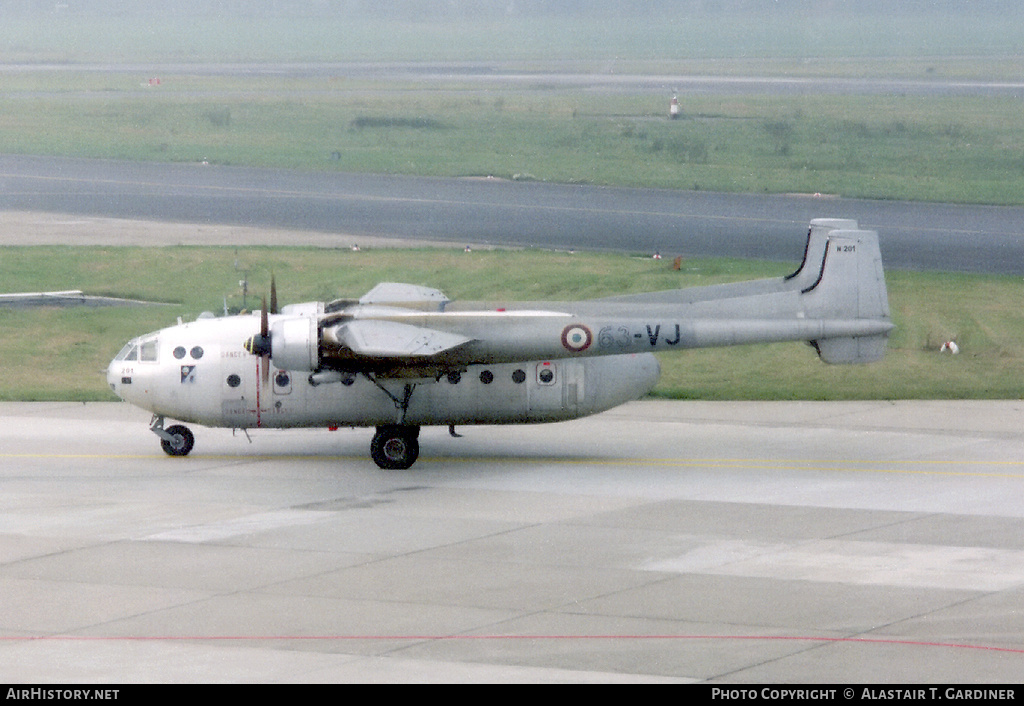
390, 339
841, 351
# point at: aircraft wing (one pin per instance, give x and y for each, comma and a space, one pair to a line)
409, 296
374, 338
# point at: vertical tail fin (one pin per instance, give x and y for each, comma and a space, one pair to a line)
805, 275
850, 285
814, 250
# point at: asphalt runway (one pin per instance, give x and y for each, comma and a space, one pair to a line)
506, 213
861, 542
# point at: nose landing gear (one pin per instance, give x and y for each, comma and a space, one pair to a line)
175, 440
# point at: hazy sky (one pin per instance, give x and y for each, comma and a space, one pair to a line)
42, 31
489, 9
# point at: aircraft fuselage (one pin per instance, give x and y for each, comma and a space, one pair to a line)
199, 372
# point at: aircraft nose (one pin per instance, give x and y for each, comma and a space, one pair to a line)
114, 377
118, 378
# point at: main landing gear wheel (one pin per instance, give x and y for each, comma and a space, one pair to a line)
395, 446
180, 442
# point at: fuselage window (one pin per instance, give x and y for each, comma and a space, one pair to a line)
179, 352
197, 352
234, 380
282, 382
487, 377
519, 377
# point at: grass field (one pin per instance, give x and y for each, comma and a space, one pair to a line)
949, 149
938, 148
57, 354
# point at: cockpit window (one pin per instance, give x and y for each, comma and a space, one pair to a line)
129, 352
147, 350
144, 350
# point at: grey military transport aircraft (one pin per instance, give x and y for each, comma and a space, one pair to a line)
404, 356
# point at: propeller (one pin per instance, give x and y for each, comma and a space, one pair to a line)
260, 344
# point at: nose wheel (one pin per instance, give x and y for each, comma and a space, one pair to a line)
395, 446
180, 443
175, 440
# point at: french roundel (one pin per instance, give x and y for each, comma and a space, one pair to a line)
577, 338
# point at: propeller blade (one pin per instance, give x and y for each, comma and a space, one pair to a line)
265, 335
273, 295
260, 344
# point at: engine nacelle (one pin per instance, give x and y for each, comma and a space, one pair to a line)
303, 309
295, 344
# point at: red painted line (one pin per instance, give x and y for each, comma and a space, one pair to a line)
259, 420
418, 638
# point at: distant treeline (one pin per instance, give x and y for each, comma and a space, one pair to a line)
448, 10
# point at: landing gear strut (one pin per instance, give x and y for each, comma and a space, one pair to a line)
395, 446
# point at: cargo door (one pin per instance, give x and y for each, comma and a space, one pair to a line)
556, 389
